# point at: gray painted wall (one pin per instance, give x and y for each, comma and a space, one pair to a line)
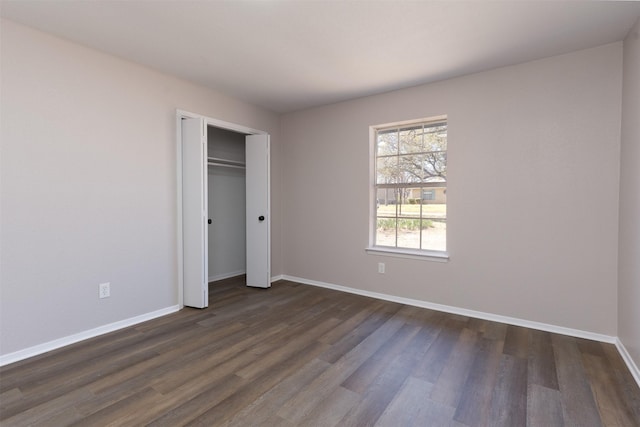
532, 193
88, 173
629, 247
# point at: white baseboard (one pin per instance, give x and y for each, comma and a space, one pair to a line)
463, 311
486, 316
628, 360
71, 339
238, 273
226, 275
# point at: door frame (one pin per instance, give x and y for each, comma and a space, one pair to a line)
183, 114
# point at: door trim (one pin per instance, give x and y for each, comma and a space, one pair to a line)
180, 114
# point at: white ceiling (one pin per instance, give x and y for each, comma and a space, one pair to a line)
291, 55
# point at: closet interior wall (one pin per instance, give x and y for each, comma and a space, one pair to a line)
227, 201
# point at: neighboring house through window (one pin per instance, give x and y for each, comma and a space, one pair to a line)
410, 187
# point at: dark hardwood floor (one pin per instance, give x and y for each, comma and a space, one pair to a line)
297, 355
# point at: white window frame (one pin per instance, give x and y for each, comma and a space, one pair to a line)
373, 249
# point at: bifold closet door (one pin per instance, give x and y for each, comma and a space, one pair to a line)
258, 211
194, 213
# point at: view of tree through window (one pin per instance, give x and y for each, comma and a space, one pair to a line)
411, 186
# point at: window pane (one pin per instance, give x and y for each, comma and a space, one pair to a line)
427, 167
413, 168
410, 206
386, 232
411, 140
434, 166
409, 233
434, 202
387, 142
434, 235
387, 170
410, 168
386, 201
401, 195
434, 217
435, 138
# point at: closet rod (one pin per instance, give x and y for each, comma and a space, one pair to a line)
225, 161
225, 165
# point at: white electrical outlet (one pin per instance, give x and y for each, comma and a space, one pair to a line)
104, 290
381, 267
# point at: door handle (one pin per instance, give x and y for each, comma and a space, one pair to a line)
209, 221
261, 218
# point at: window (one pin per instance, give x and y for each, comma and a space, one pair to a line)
410, 187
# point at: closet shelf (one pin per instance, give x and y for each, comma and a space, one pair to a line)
215, 161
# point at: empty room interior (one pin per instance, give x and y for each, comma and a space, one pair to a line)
268, 213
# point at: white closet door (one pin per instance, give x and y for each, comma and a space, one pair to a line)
194, 213
258, 211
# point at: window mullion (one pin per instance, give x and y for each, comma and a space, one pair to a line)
421, 194
398, 190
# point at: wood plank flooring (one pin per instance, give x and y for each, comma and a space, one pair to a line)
297, 355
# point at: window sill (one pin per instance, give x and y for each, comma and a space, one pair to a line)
408, 253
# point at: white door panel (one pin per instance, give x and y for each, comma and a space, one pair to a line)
258, 211
194, 213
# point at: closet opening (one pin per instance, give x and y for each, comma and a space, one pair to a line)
224, 223
226, 187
